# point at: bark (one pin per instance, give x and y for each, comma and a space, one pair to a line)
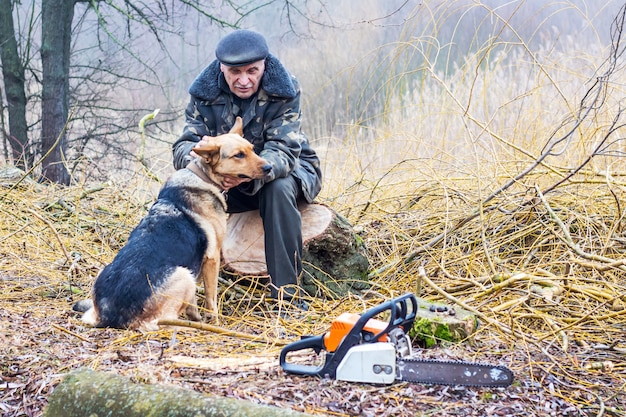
90, 393
334, 260
56, 29
14, 86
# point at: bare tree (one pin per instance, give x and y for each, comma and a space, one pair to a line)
14, 81
56, 32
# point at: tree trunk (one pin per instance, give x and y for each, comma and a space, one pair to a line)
14, 86
90, 393
334, 260
56, 31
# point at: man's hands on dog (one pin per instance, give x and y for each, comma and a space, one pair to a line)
203, 142
232, 182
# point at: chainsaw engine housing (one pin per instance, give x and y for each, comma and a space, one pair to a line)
373, 363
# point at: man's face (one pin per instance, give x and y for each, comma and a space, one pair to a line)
244, 81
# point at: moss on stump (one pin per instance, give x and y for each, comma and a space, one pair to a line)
334, 262
435, 323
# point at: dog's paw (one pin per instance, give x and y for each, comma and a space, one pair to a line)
149, 326
83, 305
191, 312
90, 317
212, 318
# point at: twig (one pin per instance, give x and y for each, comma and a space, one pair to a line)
220, 330
232, 286
91, 190
421, 272
142, 157
522, 276
600, 267
64, 330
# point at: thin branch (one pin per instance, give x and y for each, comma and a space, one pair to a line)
221, 330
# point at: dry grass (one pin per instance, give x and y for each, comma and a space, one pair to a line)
544, 273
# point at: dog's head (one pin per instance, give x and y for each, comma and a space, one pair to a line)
231, 155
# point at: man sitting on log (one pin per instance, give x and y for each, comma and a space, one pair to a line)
247, 81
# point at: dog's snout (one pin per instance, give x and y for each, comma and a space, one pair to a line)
267, 168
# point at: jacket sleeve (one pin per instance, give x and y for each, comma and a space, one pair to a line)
282, 143
284, 138
193, 131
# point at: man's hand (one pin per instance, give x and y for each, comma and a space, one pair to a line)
202, 142
232, 182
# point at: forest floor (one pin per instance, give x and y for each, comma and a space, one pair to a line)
42, 340
546, 275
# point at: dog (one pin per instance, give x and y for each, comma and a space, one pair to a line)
153, 277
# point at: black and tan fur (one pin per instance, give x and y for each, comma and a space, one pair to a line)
153, 277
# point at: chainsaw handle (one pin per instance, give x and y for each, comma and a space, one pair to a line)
313, 342
403, 311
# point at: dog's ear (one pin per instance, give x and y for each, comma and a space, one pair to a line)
208, 150
237, 127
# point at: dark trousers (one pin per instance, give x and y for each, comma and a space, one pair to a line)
277, 202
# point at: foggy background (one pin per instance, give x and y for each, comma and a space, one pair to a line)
362, 66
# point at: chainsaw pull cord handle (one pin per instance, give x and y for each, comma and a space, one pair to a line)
401, 315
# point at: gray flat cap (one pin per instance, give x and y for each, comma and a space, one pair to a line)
241, 47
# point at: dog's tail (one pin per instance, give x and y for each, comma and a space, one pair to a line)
83, 305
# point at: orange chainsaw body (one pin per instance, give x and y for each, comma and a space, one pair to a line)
344, 323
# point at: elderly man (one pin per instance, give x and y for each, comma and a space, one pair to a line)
246, 80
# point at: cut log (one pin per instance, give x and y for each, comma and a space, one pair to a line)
89, 393
334, 260
11, 175
435, 323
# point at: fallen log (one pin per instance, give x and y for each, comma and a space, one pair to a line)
12, 177
89, 393
334, 260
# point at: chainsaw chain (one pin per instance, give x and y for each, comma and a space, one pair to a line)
464, 379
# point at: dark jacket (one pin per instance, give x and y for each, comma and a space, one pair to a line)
271, 122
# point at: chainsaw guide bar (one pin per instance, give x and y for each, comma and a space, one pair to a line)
362, 348
468, 374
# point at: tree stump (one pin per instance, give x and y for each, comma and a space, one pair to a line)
435, 323
89, 393
334, 261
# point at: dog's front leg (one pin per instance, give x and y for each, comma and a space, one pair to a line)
210, 274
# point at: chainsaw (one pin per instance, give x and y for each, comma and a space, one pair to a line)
365, 348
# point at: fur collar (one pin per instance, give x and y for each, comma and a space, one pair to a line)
276, 81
